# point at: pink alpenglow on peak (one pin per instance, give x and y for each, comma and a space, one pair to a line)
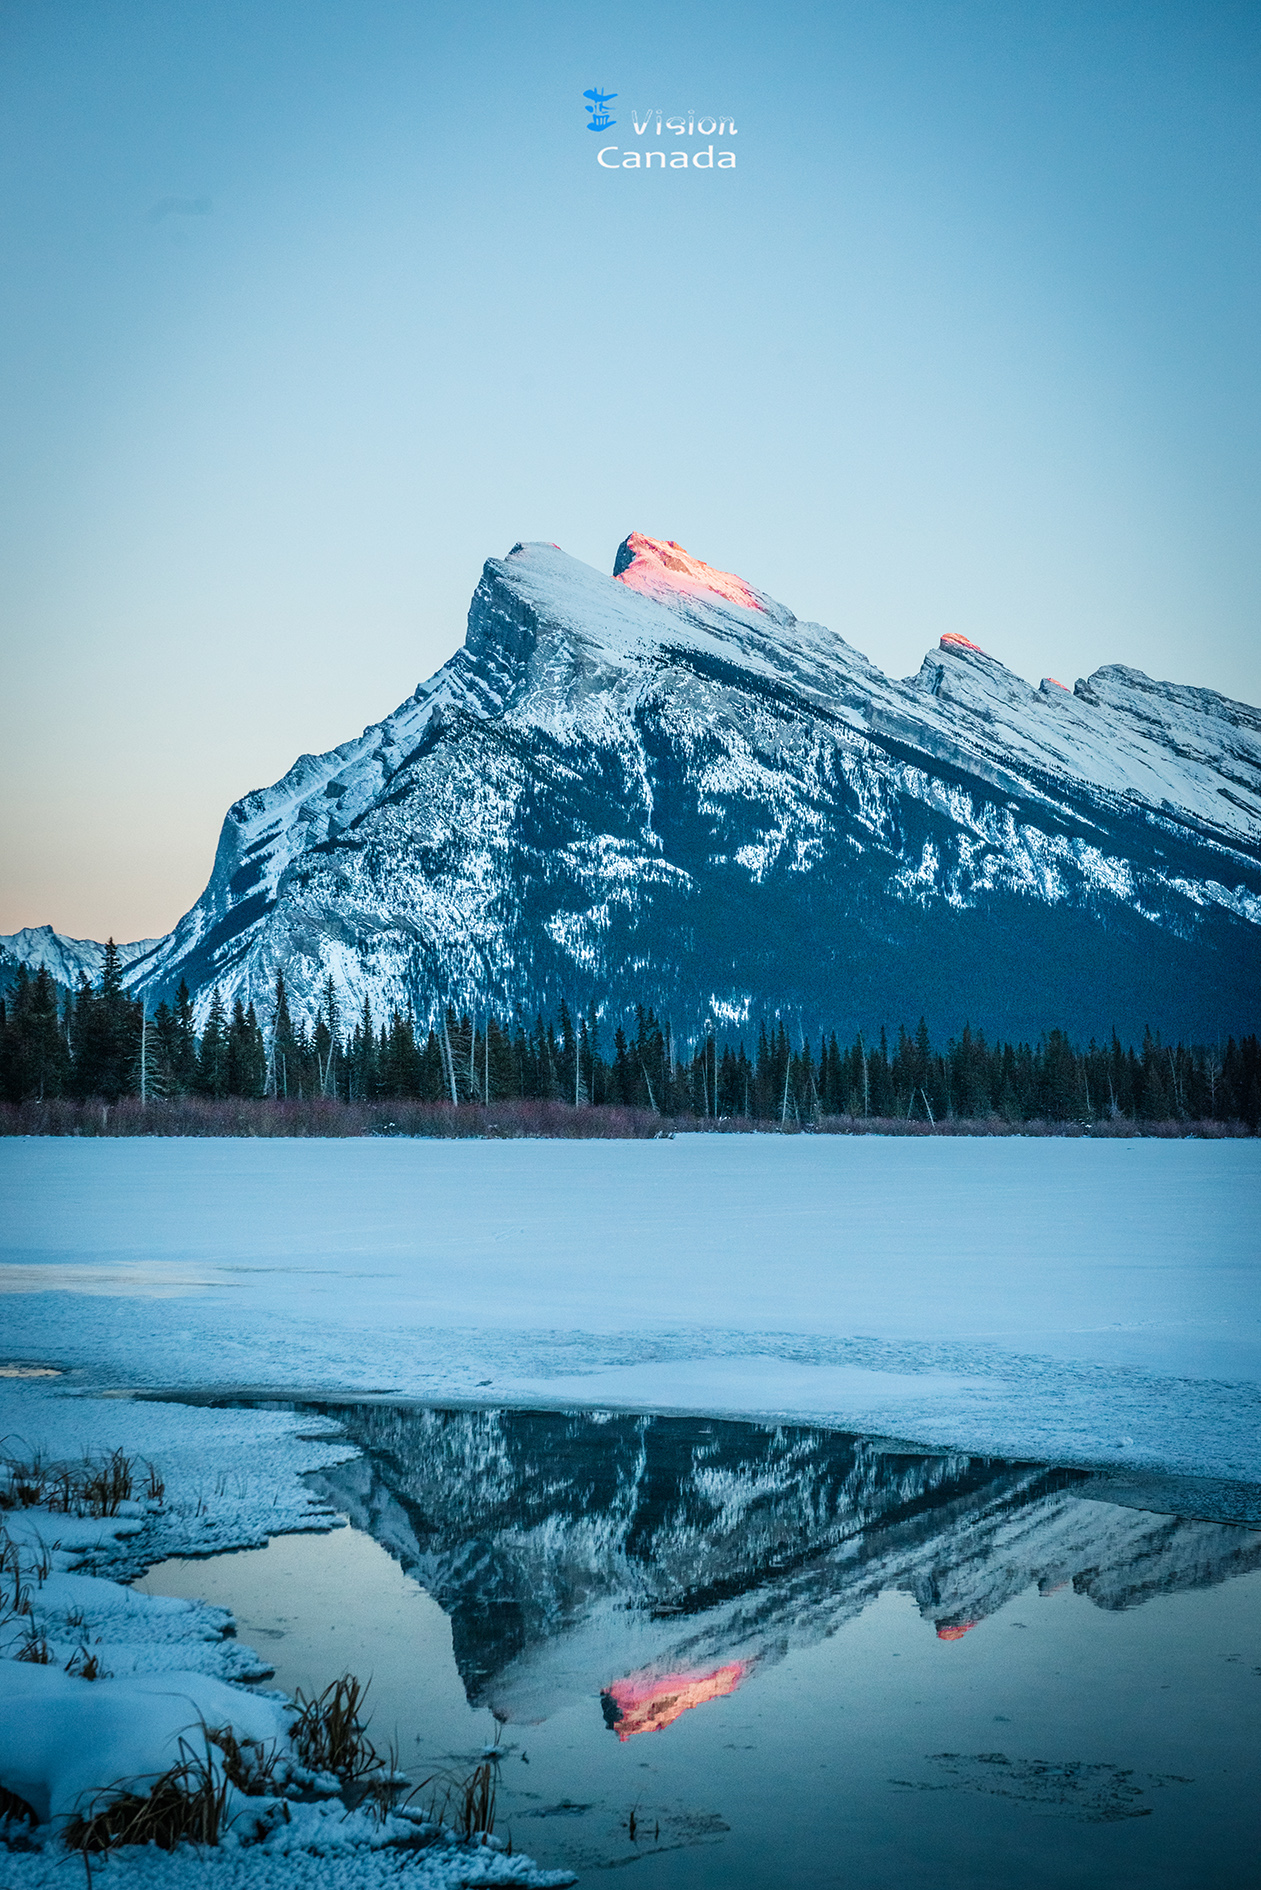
1054, 682
953, 641
658, 564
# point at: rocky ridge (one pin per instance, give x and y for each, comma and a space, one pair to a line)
661, 785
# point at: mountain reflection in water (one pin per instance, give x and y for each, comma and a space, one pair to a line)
653, 1562
645, 1702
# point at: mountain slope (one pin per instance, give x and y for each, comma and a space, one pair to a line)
661, 785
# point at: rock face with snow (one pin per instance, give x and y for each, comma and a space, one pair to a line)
661, 786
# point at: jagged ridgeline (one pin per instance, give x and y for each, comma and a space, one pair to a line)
659, 787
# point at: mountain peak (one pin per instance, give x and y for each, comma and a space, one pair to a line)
658, 566
658, 781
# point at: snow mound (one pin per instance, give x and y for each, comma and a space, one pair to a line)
64, 1741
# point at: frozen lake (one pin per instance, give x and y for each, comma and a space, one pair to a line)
1088, 1302
970, 1605
795, 1656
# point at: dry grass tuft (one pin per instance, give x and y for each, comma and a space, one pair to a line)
466, 1805
329, 1736
14, 1595
186, 1803
35, 1649
250, 1767
85, 1666
475, 1802
96, 1486
13, 1807
107, 1483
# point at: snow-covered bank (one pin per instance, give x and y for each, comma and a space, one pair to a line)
107, 1691
338, 1867
329, 1860
1082, 1301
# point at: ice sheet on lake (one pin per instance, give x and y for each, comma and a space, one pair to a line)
1092, 1302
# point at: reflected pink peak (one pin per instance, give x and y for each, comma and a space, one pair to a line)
657, 564
647, 1702
953, 641
955, 1633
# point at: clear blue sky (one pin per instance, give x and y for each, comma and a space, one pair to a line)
308, 306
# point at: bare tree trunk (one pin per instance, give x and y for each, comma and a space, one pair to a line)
450, 1060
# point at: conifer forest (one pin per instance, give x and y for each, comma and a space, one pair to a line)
98, 1043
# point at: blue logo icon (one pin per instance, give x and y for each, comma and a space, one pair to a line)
600, 120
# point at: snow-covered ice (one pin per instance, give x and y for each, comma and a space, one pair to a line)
1091, 1302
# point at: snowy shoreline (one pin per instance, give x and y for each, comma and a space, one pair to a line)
164, 1671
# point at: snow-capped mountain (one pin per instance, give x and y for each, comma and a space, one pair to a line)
38, 947
661, 786
576, 1552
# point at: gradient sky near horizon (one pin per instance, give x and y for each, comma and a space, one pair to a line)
309, 306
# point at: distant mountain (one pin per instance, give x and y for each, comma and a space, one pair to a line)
660, 786
39, 947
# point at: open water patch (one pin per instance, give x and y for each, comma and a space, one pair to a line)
755, 1654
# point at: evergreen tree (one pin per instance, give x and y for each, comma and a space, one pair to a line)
34, 1055
105, 1028
183, 1042
326, 1042
212, 1057
363, 1059
621, 1084
284, 1053
246, 1053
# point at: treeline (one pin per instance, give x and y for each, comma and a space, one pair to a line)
100, 1043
